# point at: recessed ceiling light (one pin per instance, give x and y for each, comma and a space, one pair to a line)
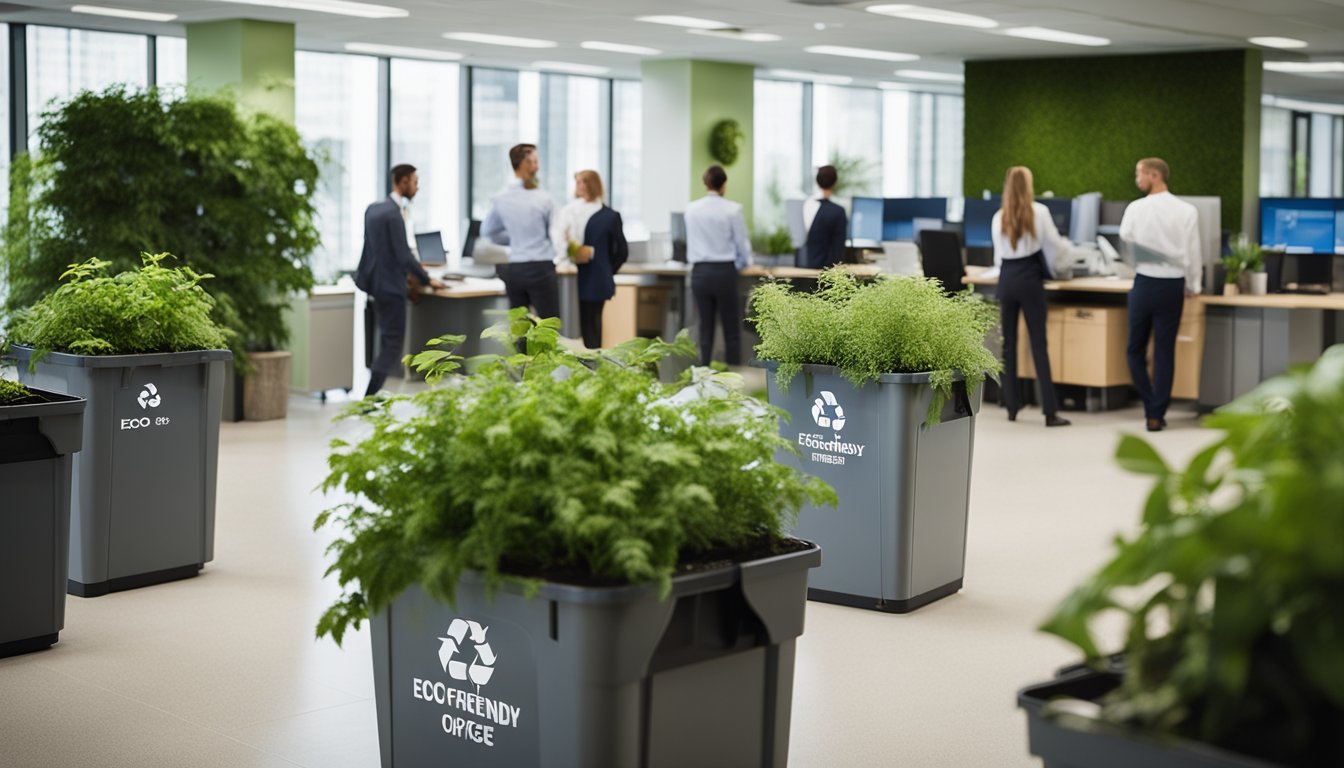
506, 40
401, 51
575, 69
637, 50
339, 7
1278, 42
1305, 67
812, 77
690, 22
123, 13
922, 74
1056, 36
935, 15
737, 34
860, 53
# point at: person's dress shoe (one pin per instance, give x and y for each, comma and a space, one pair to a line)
1056, 421
1156, 425
1012, 414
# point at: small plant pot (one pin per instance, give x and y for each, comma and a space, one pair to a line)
1259, 283
1230, 289
37, 446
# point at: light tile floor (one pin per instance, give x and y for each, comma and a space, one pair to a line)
223, 670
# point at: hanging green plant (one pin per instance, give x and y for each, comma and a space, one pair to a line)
723, 140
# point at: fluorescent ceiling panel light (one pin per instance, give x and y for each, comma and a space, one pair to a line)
1056, 36
689, 22
1302, 106
737, 34
921, 74
812, 77
637, 50
1305, 67
576, 69
122, 13
506, 40
860, 53
934, 15
339, 7
1278, 42
401, 51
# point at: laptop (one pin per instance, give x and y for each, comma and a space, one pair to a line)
473, 232
430, 246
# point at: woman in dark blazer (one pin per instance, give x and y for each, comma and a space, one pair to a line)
599, 235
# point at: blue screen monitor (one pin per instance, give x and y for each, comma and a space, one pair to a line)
865, 219
899, 214
1061, 210
1299, 225
976, 219
1339, 229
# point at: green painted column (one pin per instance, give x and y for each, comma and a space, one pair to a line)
255, 59
683, 99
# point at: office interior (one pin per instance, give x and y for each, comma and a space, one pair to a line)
922, 110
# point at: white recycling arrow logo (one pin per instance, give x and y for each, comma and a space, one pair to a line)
149, 397
835, 419
478, 670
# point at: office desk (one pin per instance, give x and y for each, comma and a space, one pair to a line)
466, 307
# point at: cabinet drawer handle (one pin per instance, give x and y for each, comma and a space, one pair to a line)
1083, 314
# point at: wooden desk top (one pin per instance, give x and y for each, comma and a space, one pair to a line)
1280, 301
1081, 284
469, 288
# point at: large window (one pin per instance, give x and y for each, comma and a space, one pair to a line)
921, 144
63, 62
575, 114
1324, 159
170, 62
505, 110
627, 122
333, 99
847, 133
782, 167
425, 134
1276, 147
4, 131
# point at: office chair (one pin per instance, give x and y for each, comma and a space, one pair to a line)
941, 251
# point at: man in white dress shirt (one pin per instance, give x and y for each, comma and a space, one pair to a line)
716, 248
520, 217
1163, 224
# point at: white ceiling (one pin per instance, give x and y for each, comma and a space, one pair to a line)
1133, 26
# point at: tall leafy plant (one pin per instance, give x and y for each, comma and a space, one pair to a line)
123, 171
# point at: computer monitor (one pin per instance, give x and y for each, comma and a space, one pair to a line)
976, 219
1339, 230
1299, 225
1085, 218
1210, 224
899, 214
430, 246
473, 232
865, 219
1061, 210
678, 233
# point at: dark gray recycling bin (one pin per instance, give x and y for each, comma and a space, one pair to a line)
143, 508
598, 677
897, 539
37, 443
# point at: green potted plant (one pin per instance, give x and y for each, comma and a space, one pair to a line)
1252, 259
1231, 598
766, 241
142, 349
885, 412
126, 170
39, 433
562, 558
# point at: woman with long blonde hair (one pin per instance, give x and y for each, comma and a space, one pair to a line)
591, 234
1026, 246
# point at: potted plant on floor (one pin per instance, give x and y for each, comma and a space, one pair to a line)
1231, 597
142, 349
39, 433
885, 412
566, 562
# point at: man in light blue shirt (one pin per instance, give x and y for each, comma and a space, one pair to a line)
520, 217
716, 248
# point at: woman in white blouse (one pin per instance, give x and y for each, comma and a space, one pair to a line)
591, 234
1026, 247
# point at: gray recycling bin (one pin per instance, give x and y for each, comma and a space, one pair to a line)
897, 539
599, 677
143, 507
37, 443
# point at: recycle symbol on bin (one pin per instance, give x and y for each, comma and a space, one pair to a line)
481, 667
149, 397
827, 412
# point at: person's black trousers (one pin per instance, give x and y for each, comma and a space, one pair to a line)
390, 316
590, 323
533, 284
1155, 306
1022, 289
714, 286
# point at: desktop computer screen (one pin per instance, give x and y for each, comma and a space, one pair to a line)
976, 218
899, 214
1339, 229
1061, 210
1299, 225
865, 219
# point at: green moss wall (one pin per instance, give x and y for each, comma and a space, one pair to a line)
1081, 124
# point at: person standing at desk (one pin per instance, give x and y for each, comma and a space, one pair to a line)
520, 217
825, 223
1169, 227
587, 222
716, 248
387, 267
1026, 247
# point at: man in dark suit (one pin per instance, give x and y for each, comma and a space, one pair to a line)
387, 268
827, 225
